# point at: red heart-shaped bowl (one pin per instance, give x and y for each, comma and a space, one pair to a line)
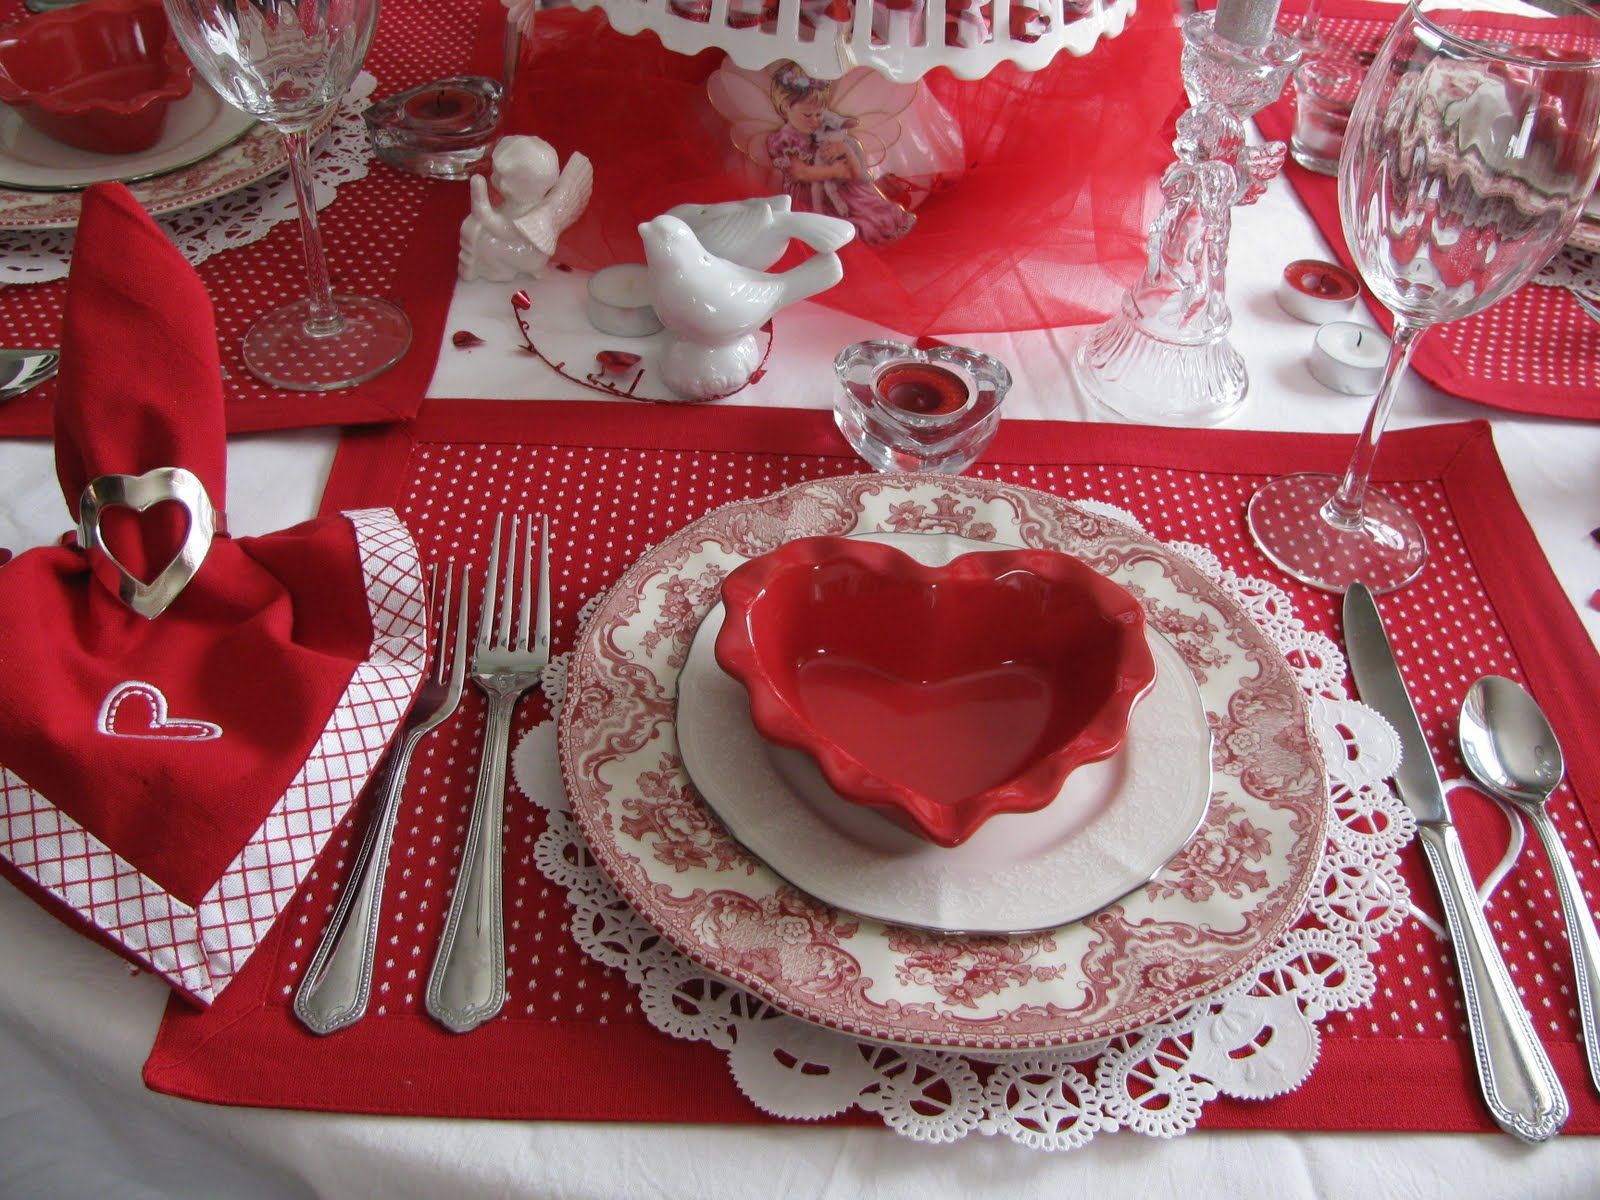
942, 695
97, 76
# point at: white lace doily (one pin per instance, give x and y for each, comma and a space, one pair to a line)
1574, 269
236, 219
1252, 1041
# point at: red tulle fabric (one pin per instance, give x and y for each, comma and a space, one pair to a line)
1045, 228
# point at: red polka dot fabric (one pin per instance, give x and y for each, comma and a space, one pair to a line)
610, 495
1536, 351
390, 235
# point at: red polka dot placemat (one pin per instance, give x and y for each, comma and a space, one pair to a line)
391, 234
617, 479
1534, 352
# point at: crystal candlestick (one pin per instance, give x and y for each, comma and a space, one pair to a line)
1164, 357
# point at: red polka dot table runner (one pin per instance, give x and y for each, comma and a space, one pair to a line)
391, 234
616, 480
1534, 352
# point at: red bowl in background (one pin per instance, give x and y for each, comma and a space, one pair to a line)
941, 695
98, 76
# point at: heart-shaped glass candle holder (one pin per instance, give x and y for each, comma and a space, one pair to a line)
439, 130
941, 695
904, 408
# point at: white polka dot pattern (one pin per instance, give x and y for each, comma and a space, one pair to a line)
610, 504
360, 230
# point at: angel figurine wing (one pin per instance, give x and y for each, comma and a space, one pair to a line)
562, 205
872, 104
744, 98
750, 102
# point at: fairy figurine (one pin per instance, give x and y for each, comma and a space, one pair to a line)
824, 139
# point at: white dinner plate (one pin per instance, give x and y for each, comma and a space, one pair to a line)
1114, 824
198, 125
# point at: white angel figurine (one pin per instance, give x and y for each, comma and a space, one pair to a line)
539, 205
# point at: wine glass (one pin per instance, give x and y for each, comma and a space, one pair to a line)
1469, 155
287, 62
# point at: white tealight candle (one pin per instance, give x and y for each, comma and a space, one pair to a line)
619, 301
1349, 358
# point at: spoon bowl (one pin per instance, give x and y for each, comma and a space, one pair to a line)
21, 370
1509, 747
1508, 744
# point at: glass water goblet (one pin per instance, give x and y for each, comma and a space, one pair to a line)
287, 62
1468, 157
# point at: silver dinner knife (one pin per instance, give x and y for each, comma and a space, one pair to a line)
1519, 1084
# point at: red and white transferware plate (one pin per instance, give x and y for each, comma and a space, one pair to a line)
1204, 920
209, 149
1586, 234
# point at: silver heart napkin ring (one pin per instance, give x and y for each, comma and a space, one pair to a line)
141, 492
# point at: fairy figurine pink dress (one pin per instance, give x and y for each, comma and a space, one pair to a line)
825, 140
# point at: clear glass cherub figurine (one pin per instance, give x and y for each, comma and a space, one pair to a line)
1165, 356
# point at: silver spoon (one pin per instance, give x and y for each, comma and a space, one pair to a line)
1510, 748
24, 369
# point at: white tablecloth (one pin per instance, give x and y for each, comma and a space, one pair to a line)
75, 1024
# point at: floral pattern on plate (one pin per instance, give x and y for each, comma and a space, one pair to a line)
250, 156
1200, 925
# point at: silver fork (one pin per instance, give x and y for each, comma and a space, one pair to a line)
338, 983
468, 983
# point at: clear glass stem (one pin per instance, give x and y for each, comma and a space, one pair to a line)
324, 319
1307, 33
1343, 510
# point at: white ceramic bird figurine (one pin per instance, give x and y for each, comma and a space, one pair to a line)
712, 307
755, 233
539, 205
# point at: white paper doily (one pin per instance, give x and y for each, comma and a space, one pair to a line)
1252, 1041
1575, 269
236, 219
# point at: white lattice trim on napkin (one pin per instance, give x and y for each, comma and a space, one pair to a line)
236, 218
200, 949
1253, 1040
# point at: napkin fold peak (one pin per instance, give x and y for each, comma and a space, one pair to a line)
141, 379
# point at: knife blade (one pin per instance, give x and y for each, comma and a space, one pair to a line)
1518, 1083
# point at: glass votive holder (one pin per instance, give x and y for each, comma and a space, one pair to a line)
908, 409
440, 129
1325, 92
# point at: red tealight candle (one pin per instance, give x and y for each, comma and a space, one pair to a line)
923, 389
443, 109
1317, 292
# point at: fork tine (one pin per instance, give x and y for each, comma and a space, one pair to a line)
541, 630
486, 610
527, 586
508, 589
441, 647
458, 664
430, 615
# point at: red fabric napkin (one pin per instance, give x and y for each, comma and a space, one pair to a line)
170, 779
